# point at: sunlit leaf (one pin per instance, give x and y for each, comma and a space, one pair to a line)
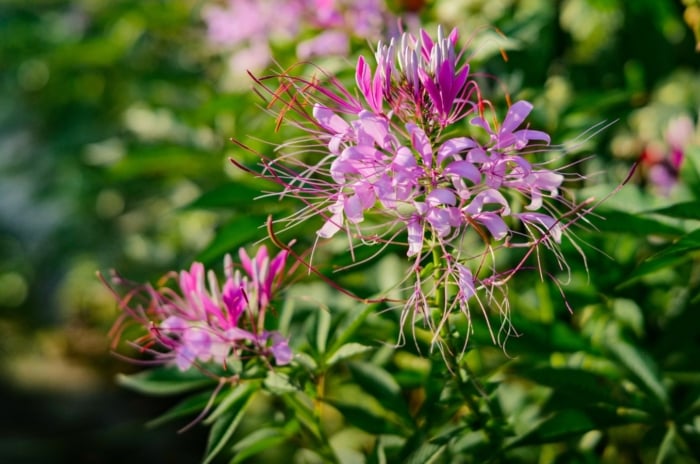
322, 328
258, 441
347, 351
279, 383
427, 453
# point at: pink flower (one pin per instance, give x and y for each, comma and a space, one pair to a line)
199, 322
249, 29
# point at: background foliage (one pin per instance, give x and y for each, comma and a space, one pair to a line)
114, 127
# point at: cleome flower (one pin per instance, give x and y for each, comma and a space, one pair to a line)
197, 321
421, 159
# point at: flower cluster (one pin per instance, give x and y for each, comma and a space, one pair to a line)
399, 161
246, 26
203, 322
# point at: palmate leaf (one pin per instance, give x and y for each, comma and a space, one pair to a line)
165, 380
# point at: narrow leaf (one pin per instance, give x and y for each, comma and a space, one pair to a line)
346, 351
666, 448
187, 407
642, 367
164, 381
685, 210
256, 442
223, 428
382, 386
560, 426
622, 222
232, 400
323, 327
345, 333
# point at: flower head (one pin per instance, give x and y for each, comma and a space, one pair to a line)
198, 321
421, 159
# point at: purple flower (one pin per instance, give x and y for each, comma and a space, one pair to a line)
506, 136
396, 167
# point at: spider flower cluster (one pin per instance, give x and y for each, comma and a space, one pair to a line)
200, 322
416, 156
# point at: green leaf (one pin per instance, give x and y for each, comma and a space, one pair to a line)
365, 414
578, 386
607, 220
642, 367
187, 407
685, 244
559, 426
674, 254
346, 351
232, 400
344, 333
685, 210
229, 196
278, 383
323, 327
258, 441
164, 381
232, 236
666, 447
382, 386
223, 428
690, 170
427, 453
304, 413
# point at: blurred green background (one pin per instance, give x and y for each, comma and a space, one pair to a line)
115, 118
